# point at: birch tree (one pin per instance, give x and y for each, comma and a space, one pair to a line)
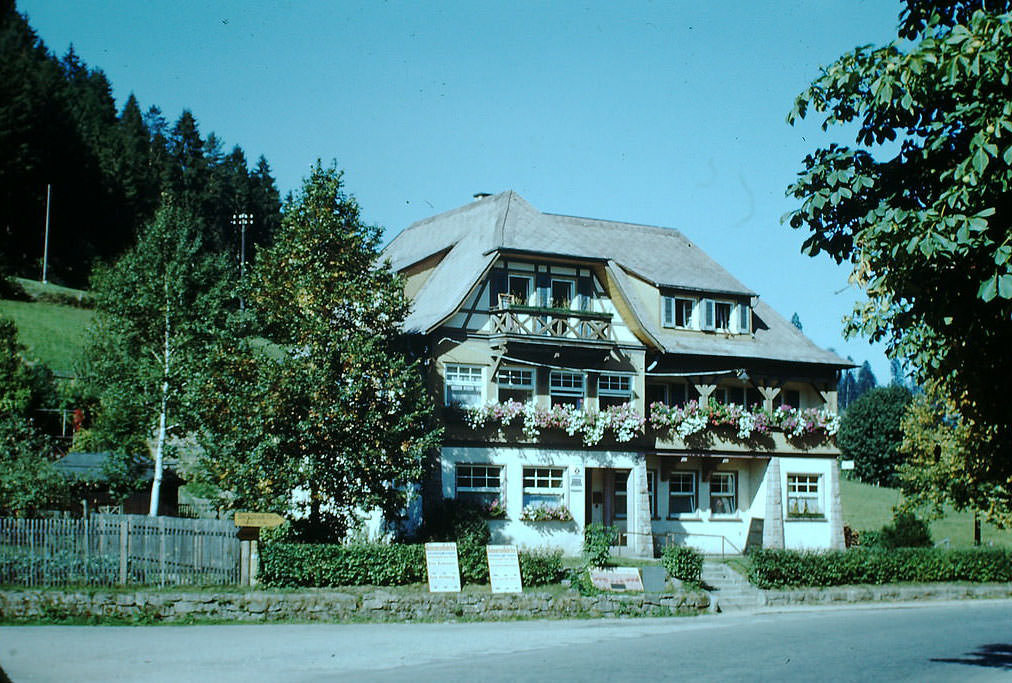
157, 311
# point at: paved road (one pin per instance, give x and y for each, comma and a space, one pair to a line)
943, 642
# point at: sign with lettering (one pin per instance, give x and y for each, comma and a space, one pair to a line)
258, 519
443, 568
504, 568
617, 579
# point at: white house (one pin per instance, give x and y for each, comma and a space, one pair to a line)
598, 371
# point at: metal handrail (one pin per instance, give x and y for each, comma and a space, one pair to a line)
724, 540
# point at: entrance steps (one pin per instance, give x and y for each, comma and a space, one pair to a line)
729, 591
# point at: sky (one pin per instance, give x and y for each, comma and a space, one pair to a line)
662, 113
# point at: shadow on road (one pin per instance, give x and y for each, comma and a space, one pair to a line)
993, 655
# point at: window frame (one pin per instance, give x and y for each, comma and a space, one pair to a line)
693, 495
448, 368
478, 491
518, 387
731, 476
624, 395
564, 391
570, 282
620, 513
728, 308
520, 276
540, 474
797, 494
670, 308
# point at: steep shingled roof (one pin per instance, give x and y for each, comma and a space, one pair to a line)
472, 235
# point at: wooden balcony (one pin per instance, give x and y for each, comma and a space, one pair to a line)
552, 324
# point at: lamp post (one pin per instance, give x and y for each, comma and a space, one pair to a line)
242, 220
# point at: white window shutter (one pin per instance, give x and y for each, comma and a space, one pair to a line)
744, 318
709, 314
669, 312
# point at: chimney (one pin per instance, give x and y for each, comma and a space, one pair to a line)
478, 196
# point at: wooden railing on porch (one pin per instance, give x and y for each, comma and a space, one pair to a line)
551, 322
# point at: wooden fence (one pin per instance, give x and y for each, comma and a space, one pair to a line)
107, 550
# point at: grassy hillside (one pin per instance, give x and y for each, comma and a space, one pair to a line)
870, 507
52, 325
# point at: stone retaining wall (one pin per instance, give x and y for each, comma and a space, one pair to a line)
330, 605
884, 593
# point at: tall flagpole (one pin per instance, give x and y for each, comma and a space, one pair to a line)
45, 245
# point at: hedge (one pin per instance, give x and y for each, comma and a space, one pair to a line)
790, 568
683, 562
289, 565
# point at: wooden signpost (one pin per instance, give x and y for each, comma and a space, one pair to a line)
249, 524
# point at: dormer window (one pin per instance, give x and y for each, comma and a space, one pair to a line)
677, 312
722, 316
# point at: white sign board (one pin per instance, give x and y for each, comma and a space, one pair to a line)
617, 579
504, 568
442, 567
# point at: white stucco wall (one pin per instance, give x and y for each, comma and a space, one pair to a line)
808, 534
565, 535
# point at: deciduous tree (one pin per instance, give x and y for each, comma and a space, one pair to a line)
921, 208
158, 309
321, 399
870, 434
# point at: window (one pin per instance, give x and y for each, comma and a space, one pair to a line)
562, 293
620, 499
613, 390
677, 312
744, 318
657, 393
566, 388
683, 312
728, 395
788, 397
464, 385
803, 497
681, 494
723, 500
520, 288
516, 384
722, 319
652, 492
479, 484
543, 485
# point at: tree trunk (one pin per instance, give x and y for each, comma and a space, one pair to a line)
156, 481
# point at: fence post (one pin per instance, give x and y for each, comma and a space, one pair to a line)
254, 562
161, 551
244, 563
124, 534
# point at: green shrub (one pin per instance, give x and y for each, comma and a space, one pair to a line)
597, 540
683, 562
294, 564
906, 531
540, 567
579, 580
790, 568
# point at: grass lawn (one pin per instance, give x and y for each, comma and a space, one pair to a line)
870, 507
53, 333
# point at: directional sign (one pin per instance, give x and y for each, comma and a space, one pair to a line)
258, 519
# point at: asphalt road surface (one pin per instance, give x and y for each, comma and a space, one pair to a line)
966, 641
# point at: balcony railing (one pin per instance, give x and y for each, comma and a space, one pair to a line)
553, 323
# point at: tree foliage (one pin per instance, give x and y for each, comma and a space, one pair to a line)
28, 481
317, 398
59, 127
920, 208
157, 311
942, 466
870, 434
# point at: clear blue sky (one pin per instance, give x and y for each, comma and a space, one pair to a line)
665, 113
